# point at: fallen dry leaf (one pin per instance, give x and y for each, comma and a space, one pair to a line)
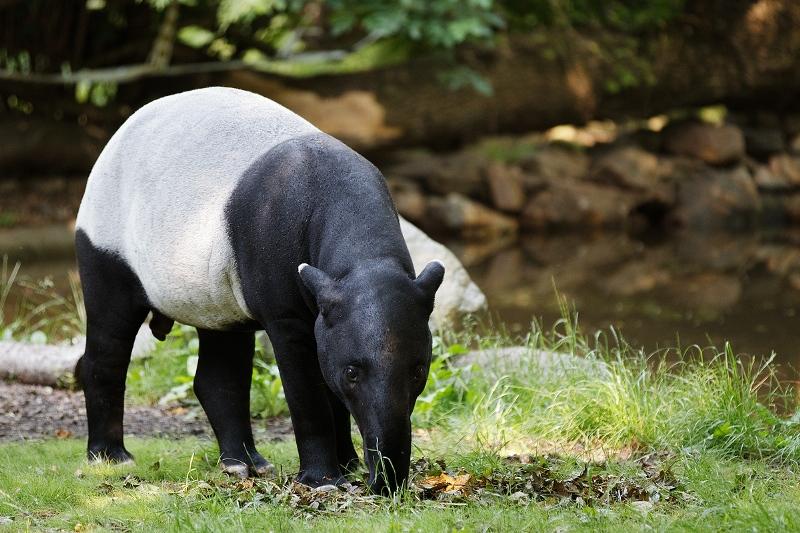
444, 483
62, 433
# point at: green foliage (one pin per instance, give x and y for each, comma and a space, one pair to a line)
34, 311
195, 36
442, 24
167, 376
98, 94
447, 385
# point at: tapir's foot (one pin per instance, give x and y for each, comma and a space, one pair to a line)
252, 465
116, 454
318, 480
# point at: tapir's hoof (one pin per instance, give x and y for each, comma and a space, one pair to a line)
239, 470
109, 454
262, 468
318, 481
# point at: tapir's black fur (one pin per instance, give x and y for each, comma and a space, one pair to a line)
350, 332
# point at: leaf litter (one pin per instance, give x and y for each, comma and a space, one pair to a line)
518, 479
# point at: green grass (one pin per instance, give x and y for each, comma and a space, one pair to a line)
604, 437
176, 486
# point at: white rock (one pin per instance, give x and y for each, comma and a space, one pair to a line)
504, 361
458, 294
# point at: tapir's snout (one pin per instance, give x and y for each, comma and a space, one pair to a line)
388, 454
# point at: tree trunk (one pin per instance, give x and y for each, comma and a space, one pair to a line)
738, 53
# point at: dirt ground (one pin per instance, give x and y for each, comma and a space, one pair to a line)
35, 412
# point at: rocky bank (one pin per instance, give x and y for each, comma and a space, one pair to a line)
686, 173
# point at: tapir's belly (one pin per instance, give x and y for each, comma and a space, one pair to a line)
193, 279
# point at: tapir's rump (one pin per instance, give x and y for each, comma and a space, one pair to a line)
156, 196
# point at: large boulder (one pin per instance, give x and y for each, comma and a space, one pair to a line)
715, 145
629, 167
506, 187
408, 197
554, 164
578, 204
458, 295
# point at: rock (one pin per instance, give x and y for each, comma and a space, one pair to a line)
458, 295
786, 168
715, 145
717, 198
554, 164
462, 173
790, 205
408, 198
414, 165
502, 361
506, 187
577, 204
762, 142
629, 167
794, 144
766, 179
468, 218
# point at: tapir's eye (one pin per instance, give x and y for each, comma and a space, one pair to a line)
351, 373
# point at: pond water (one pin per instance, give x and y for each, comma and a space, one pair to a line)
698, 288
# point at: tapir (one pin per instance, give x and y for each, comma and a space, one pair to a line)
220, 209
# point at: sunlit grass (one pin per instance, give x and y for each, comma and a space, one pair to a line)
723, 425
40, 313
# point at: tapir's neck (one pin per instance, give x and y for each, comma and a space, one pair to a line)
357, 227
348, 246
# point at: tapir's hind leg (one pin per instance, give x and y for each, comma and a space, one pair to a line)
222, 384
115, 309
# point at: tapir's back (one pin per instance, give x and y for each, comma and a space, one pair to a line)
157, 194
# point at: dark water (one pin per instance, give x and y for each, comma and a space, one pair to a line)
699, 288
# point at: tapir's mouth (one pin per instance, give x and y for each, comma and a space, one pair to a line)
388, 465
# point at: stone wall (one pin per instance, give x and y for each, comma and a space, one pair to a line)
687, 173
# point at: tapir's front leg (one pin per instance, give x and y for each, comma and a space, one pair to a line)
307, 396
345, 452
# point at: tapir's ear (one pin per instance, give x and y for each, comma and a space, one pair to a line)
321, 286
430, 279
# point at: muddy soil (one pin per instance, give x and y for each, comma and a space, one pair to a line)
36, 412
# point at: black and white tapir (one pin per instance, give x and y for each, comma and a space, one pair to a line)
223, 210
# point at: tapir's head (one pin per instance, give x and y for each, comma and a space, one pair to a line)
374, 349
